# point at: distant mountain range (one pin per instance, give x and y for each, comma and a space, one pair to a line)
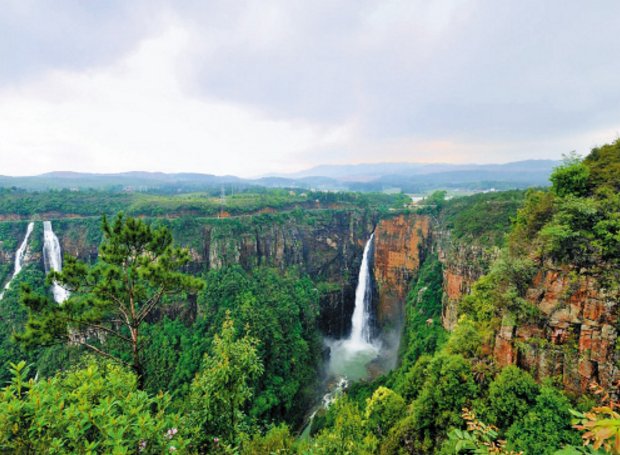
407, 177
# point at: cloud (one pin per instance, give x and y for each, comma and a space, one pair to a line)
249, 86
456, 68
134, 115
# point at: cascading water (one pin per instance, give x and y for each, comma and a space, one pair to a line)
350, 357
360, 321
19, 257
53, 259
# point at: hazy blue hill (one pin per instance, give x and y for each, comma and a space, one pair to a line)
376, 170
409, 177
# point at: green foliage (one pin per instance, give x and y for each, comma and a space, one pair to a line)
413, 379
604, 166
483, 217
423, 333
545, 426
173, 355
222, 388
95, 409
433, 203
572, 178
449, 385
537, 210
282, 311
501, 291
277, 441
479, 438
578, 223
347, 436
383, 410
466, 339
511, 395
88, 202
138, 266
95, 203
13, 318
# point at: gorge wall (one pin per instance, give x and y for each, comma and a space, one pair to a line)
325, 244
574, 337
463, 263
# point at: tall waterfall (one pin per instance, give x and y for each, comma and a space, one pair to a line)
360, 322
19, 257
52, 258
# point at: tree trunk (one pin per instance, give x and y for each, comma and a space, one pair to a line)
137, 364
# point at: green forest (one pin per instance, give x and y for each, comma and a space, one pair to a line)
155, 352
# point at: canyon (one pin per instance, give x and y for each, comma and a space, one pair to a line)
574, 338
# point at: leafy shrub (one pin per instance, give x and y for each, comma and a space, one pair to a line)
95, 409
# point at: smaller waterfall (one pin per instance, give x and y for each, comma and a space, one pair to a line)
335, 391
360, 321
52, 258
19, 257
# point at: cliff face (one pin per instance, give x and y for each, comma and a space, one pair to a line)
326, 245
577, 337
328, 249
325, 248
463, 263
400, 245
331, 251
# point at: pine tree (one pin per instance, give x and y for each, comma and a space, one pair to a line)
138, 266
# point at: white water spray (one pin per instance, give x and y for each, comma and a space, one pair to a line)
360, 321
19, 257
52, 258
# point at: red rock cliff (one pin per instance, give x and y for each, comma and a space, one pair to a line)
576, 338
463, 263
399, 244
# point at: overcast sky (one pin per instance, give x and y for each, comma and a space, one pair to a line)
251, 87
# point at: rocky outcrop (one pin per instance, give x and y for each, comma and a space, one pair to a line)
463, 263
331, 251
576, 333
336, 309
74, 239
577, 337
400, 245
327, 247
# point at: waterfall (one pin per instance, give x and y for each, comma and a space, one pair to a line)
350, 357
360, 321
53, 260
19, 257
